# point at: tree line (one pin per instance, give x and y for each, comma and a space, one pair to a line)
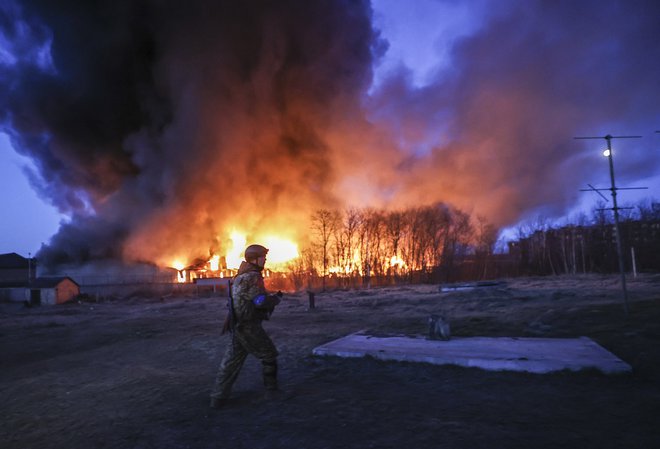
440, 243
356, 247
587, 244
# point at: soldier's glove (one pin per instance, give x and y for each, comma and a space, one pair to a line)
275, 299
267, 301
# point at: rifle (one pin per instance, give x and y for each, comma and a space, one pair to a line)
230, 319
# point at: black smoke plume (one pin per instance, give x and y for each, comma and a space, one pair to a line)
159, 127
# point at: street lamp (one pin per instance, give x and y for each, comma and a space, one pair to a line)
617, 232
617, 228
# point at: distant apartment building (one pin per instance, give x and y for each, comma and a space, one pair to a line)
14, 267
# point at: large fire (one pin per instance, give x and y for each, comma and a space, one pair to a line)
181, 272
234, 254
281, 252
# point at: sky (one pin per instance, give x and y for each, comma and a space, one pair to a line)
28, 219
491, 91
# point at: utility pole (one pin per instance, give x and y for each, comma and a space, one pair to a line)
613, 189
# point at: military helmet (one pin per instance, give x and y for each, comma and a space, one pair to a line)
255, 251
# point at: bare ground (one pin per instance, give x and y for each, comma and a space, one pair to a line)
136, 373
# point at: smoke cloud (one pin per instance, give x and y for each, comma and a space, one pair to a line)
537, 73
159, 129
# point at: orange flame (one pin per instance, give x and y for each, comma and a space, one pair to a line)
214, 263
181, 273
281, 251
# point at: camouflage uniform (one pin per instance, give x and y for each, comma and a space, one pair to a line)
248, 336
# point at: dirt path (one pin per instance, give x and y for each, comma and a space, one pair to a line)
136, 373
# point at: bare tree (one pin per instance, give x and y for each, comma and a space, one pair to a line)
301, 269
407, 243
600, 215
394, 227
340, 247
486, 237
324, 224
369, 243
458, 240
352, 222
377, 251
437, 229
648, 210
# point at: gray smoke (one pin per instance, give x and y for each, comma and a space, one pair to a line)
501, 121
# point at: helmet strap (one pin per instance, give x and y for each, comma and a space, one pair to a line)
254, 263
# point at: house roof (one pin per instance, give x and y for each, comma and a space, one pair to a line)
13, 260
37, 283
49, 282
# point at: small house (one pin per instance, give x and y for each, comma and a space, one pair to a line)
50, 291
53, 290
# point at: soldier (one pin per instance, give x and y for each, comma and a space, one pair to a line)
250, 304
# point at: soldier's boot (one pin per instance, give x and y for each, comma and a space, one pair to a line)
219, 399
217, 403
270, 380
270, 374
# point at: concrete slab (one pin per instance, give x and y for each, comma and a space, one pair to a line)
535, 355
471, 285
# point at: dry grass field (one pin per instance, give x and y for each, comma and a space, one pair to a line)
136, 372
